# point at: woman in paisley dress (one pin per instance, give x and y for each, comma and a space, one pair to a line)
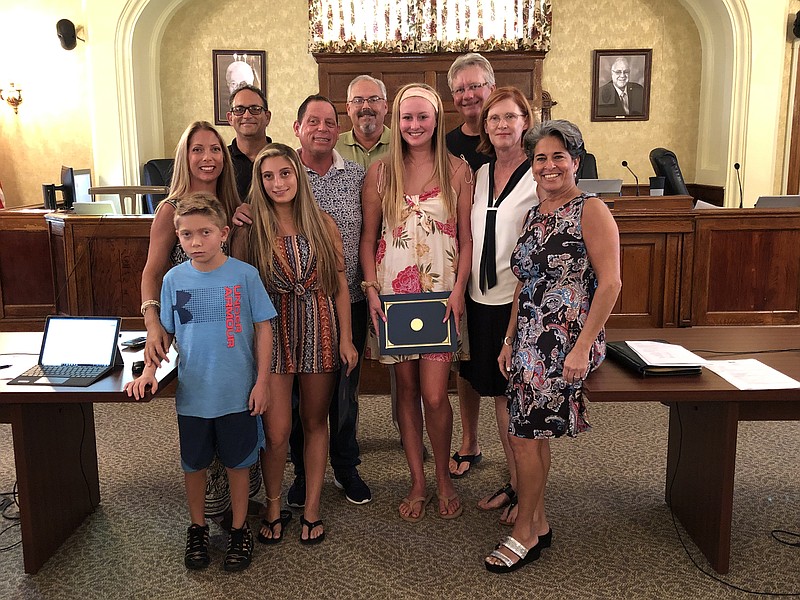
416, 238
297, 249
202, 164
567, 263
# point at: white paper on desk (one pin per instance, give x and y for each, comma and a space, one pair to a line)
660, 354
751, 374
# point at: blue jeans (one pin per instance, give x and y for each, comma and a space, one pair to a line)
344, 450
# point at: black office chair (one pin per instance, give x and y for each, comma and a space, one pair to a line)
587, 169
156, 172
665, 164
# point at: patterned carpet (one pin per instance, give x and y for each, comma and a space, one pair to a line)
613, 534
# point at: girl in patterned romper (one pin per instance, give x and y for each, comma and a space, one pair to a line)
297, 249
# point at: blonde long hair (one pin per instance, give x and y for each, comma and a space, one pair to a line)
392, 200
307, 217
181, 179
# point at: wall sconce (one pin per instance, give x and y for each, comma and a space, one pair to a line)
13, 97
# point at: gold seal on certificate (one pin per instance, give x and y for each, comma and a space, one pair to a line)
414, 324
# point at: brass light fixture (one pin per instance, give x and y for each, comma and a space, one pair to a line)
13, 97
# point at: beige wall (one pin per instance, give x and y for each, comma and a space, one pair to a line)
578, 29
279, 27
53, 126
291, 72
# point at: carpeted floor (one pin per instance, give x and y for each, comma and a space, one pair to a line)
613, 534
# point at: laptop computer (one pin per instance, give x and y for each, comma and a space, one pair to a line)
601, 186
778, 202
76, 352
98, 207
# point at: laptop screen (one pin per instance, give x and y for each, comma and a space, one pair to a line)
79, 341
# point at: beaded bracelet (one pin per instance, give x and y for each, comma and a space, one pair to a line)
370, 284
148, 303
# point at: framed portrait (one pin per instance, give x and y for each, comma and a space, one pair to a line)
232, 69
621, 85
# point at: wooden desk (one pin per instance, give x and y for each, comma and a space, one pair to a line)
704, 414
55, 452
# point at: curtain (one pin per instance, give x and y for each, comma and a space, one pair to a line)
426, 26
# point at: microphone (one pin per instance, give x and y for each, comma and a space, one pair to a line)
737, 166
625, 164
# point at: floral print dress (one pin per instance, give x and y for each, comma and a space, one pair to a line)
418, 255
558, 284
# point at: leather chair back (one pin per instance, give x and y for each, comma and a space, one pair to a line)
665, 164
157, 171
587, 169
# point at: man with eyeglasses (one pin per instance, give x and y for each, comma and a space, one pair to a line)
471, 80
367, 107
249, 116
620, 97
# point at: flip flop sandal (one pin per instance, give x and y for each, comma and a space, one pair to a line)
509, 508
309, 540
447, 500
472, 459
410, 502
282, 520
508, 491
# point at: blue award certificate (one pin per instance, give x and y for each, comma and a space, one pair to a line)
414, 324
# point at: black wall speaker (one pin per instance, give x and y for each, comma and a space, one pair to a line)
796, 27
66, 34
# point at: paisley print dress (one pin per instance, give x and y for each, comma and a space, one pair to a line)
558, 284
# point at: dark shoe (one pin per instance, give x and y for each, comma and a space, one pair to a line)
472, 459
282, 520
240, 549
196, 556
524, 556
296, 496
506, 491
545, 541
354, 487
307, 524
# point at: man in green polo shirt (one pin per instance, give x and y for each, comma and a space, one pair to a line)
367, 105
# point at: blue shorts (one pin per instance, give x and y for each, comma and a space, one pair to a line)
236, 438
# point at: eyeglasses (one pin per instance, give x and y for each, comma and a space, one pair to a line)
373, 100
618, 73
254, 110
509, 118
472, 87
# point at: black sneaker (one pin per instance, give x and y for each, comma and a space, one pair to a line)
240, 549
354, 487
196, 556
296, 496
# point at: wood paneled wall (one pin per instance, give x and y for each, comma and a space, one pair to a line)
520, 69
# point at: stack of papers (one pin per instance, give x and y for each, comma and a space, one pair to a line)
750, 374
661, 354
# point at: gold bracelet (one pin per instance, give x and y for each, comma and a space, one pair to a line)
148, 303
370, 284
507, 341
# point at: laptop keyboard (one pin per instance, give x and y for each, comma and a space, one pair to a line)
64, 371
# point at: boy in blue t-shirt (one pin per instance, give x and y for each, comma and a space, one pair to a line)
219, 312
